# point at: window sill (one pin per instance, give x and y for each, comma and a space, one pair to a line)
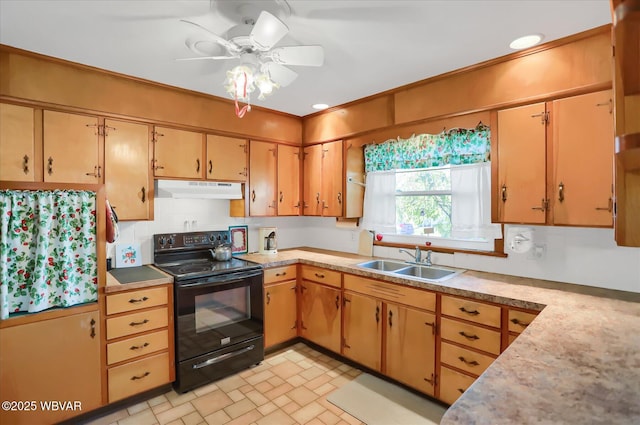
497, 252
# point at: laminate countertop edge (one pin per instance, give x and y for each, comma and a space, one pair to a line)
578, 362
113, 285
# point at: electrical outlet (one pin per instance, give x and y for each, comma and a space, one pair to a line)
537, 252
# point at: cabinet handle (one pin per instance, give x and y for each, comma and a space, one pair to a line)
390, 318
344, 343
302, 326
95, 172
244, 172
318, 198
99, 171
303, 288
460, 390
268, 297
469, 312
50, 165
25, 164
144, 375
542, 115
93, 328
339, 197
469, 337
469, 363
561, 192
297, 205
144, 195
608, 208
519, 323
281, 196
319, 275
377, 314
253, 196
337, 302
145, 321
281, 274
198, 165
433, 327
324, 205
542, 208
156, 166
210, 166
431, 381
504, 193
138, 300
139, 347
609, 104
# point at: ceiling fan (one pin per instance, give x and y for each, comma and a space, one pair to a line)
262, 64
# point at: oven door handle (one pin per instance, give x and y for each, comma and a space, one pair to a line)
227, 278
223, 357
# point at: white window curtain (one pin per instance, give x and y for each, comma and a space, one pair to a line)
379, 212
471, 202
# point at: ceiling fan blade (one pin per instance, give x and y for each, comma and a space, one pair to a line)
207, 58
231, 47
280, 74
267, 31
298, 55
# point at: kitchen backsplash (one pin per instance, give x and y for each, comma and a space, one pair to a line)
586, 256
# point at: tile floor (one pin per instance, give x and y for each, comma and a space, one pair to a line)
289, 387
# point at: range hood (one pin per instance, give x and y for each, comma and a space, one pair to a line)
197, 189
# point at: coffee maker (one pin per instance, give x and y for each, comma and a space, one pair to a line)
267, 240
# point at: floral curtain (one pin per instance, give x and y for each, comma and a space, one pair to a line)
48, 250
455, 147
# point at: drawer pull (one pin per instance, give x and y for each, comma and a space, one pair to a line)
144, 375
433, 327
470, 337
268, 297
460, 390
337, 302
223, 357
139, 347
519, 323
469, 363
139, 300
145, 321
319, 275
281, 274
469, 312
93, 328
390, 318
377, 314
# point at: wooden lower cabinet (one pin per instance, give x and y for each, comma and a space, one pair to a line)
362, 330
280, 313
453, 384
410, 347
320, 314
139, 328
52, 360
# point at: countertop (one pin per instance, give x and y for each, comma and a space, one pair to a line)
160, 278
578, 361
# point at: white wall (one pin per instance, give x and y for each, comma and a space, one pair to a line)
573, 255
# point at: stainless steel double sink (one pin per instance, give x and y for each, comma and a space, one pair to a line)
411, 270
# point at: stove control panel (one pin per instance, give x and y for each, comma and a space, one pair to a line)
191, 240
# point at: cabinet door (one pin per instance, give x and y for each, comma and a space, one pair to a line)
262, 179
331, 193
288, 180
583, 154
57, 359
126, 168
279, 312
178, 153
312, 180
522, 164
362, 340
226, 158
17, 143
320, 315
71, 148
407, 327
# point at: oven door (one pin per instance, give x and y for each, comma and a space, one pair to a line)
217, 311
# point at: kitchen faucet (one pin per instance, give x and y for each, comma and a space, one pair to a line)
417, 257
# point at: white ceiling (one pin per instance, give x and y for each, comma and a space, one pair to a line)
370, 46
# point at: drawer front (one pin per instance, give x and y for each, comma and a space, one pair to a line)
135, 300
478, 312
316, 274
463, 359
137, 346
279, 274
136, 377
453, 384
424, 300
471, 336
519, 320
137, 322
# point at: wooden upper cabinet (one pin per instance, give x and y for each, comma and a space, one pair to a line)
288, 180
583, 154
226, 158
323, 180
127, 169
521, 162
17, 143
71, 148
178, 153
262, 178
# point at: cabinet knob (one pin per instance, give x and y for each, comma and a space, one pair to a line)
504, 193
50, 165
210, 166
561, 192
25, 164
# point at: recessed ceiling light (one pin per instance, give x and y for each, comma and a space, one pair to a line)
526, 41
320, 106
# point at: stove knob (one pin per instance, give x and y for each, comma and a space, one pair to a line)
162, 240
212, 238
172, 240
